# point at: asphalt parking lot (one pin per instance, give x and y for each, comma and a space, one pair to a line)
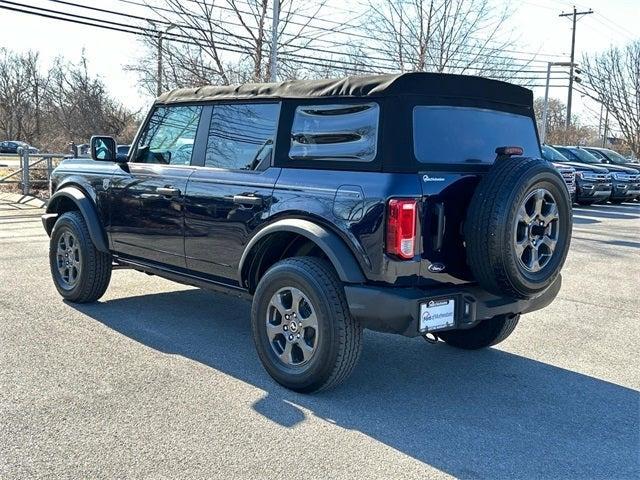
159, 380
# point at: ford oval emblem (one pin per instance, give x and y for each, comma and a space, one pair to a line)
436, 267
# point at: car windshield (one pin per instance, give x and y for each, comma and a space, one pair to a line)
615, 157
585, 156
444, 134
552, 155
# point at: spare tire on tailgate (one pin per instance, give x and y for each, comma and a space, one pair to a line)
518, 227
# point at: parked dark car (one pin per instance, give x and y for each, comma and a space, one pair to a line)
593, 182
13, 146
414, 204
632, 176
568, 174
623, 179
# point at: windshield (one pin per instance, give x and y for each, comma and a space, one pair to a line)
584, 156
552, 155
615, 157
469, 135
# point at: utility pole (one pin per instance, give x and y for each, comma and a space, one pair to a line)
159, 55
273, 69
159, 74
606, 127
600, 120
575, 14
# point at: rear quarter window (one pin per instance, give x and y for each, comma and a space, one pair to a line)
465, 135
335, 132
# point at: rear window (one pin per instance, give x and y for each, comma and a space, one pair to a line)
335, 132
469, 135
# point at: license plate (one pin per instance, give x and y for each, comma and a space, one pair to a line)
437, 314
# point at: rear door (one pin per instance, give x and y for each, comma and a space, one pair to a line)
147, 196
230, 194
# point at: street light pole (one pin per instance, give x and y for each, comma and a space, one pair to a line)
545, 109
273, 68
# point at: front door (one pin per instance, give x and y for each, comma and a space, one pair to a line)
147, 196
230, 197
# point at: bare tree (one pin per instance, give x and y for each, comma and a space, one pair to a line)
78, 105
21, 86
446, 36
557, 131
229, 41
613, 78
50, 108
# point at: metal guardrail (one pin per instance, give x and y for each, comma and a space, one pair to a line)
26, 168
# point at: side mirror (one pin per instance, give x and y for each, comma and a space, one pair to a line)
103, 148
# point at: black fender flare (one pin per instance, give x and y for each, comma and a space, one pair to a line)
342, 259
87, 209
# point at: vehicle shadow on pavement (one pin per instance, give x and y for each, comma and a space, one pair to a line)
470, 414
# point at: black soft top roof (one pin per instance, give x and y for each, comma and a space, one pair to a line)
417, 83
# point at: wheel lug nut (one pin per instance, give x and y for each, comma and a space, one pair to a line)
285, 328
290, 337
295, 315
298, 335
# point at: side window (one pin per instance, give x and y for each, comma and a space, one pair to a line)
241, 136
335, 132
169, 136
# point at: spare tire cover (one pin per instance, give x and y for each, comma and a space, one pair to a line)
518, 227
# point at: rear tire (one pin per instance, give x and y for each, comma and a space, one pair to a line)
486, 334
81, 273
321, 343
518, 228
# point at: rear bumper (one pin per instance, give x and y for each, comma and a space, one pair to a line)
397, 310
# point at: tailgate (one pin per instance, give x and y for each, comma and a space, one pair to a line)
445, 200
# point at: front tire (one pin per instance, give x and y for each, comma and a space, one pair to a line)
80, 272
304, 333
486, 334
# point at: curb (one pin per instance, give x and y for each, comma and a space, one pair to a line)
22, 200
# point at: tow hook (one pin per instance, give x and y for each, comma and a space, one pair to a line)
431, 338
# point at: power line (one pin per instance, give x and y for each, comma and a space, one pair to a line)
373, 30
223, 46
152, 33
356, 35
521, 70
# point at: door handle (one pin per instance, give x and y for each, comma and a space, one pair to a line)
168, 191
247, 200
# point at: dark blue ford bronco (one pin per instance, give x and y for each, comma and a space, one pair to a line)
414, 204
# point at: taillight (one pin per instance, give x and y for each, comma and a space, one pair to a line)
401, 228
